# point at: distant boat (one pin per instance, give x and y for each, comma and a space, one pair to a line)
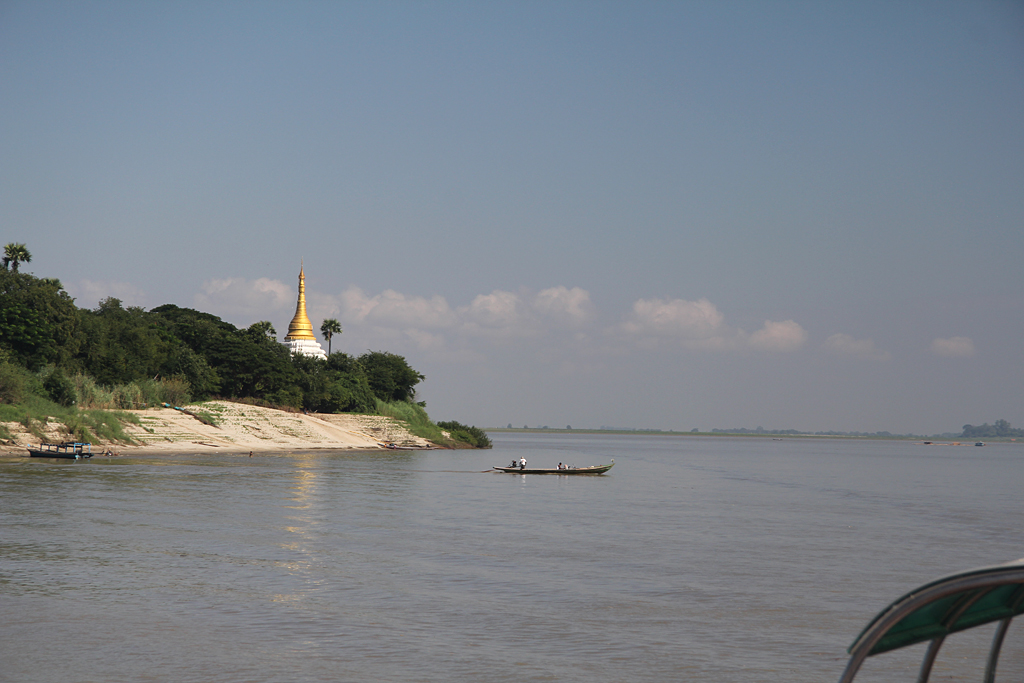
980, 443
596, 469
71, 450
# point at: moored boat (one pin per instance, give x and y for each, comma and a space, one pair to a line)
596, 469
71, 450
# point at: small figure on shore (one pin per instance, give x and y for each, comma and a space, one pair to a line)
522, 463
250, 454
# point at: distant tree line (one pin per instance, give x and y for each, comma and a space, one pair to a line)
1001, 428
792, 432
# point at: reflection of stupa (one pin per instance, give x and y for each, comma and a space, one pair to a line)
300, 337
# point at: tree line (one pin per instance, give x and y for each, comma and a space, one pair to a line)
43, 332
1001, 428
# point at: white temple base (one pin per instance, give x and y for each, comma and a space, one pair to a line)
306, 347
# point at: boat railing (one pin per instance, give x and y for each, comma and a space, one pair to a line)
75, 447
942, 607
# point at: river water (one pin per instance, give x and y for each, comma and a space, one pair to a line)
693, 559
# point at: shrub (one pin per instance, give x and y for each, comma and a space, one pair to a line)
177, 388
59, 388
12, 383
90, 394
414, 416
127, 396
289, 396
474, 436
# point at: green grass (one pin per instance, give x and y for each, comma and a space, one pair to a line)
419, 423
414, 417
474, 436
205, 416
80, 425
131, 396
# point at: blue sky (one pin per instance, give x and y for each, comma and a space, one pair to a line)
669, 215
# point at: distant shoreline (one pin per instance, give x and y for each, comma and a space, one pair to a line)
936, 440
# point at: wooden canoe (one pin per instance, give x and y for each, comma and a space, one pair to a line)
596, 469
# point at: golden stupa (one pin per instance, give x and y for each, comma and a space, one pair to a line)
300, 338
300, 327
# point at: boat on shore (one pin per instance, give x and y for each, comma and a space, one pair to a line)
71, 450
596, 469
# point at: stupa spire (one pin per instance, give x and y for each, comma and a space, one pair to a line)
300, 327
300, 338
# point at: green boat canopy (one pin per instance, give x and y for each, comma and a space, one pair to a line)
939, 608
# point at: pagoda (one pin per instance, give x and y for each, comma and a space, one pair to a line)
300, 339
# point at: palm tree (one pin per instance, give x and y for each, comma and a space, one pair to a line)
14, 254
330, 328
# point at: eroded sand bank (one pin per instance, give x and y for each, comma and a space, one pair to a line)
242, 428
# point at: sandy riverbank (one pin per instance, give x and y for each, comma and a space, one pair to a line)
242, 428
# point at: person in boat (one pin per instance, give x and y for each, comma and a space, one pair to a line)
514, 463
561, 466
522, 463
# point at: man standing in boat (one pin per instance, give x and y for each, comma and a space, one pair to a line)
522, 462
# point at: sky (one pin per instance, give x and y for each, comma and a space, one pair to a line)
668, 215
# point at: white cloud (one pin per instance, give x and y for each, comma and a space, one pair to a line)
845, 345
394, 309
91, 292
425, 340
675, 317
248, 299
430, 322
954, 347
571, 306
562, 315
700, 325
775, 336
497, 309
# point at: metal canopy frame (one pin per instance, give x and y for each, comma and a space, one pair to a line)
941, 607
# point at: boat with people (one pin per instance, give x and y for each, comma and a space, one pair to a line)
71, 450
568, 469
940, 608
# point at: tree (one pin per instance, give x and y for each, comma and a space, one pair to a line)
60, 388
1001, 428
244, 363
330, 327
262, 332
39, 322
123, 345
15, 254
390, 376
